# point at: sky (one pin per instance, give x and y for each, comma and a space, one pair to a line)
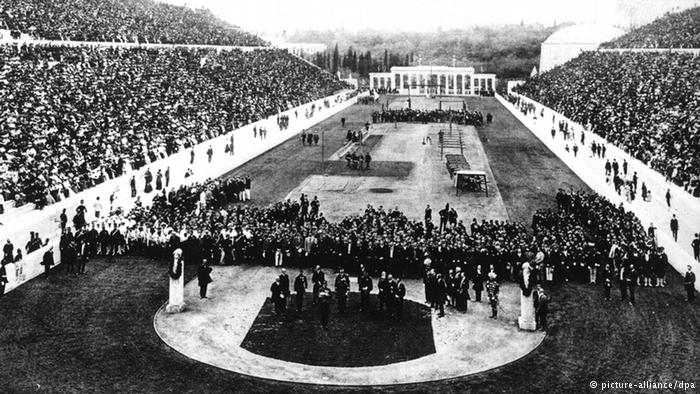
271, 17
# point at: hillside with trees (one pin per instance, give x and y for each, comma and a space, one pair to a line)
510, 51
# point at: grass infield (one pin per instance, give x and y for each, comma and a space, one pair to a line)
353, 339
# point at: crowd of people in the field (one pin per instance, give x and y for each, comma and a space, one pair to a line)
144, 21
645, 103
367, 100
463, 116
674, 30
141, 231
76, 116
590, 240
586, 239
572, 243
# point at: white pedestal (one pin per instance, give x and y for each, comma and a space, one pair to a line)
176, 300
526, 320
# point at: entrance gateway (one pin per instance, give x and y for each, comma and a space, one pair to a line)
433, 80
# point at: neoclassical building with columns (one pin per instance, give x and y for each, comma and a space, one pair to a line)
439, 80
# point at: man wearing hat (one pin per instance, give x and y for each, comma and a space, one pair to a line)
47, 261
203, 278
492, 289
278, 296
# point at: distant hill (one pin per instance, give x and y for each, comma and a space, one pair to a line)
510, 51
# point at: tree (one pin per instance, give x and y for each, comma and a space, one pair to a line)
335, 63
368, 61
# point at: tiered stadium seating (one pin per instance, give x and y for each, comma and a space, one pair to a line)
75, 116
646, 103
677, 30
120, 21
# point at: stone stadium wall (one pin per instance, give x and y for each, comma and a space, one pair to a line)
679, 253
47, 223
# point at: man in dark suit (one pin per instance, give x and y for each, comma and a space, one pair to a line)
674, 227
631, 281
541, 307
462, 292
365, 284
444, 213
3, 278
7, 250
689, 284
317, 278
300, 286
440, 294
82, 260
324, 300
399, 295
277, 296
383, 290
623, 282
204, 278
342, 276
607, 281
284, 284
478, 285
47, 261
341, 291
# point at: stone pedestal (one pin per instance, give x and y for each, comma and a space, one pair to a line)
176, 301
526, 320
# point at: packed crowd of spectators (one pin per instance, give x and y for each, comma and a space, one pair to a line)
645, 103
674, 30
465, 117
121, 21
75, 117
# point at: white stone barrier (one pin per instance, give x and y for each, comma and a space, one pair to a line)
591, 170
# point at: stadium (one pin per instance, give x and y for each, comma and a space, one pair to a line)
191, 206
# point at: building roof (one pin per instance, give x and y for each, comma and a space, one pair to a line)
465, 70
584, 34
